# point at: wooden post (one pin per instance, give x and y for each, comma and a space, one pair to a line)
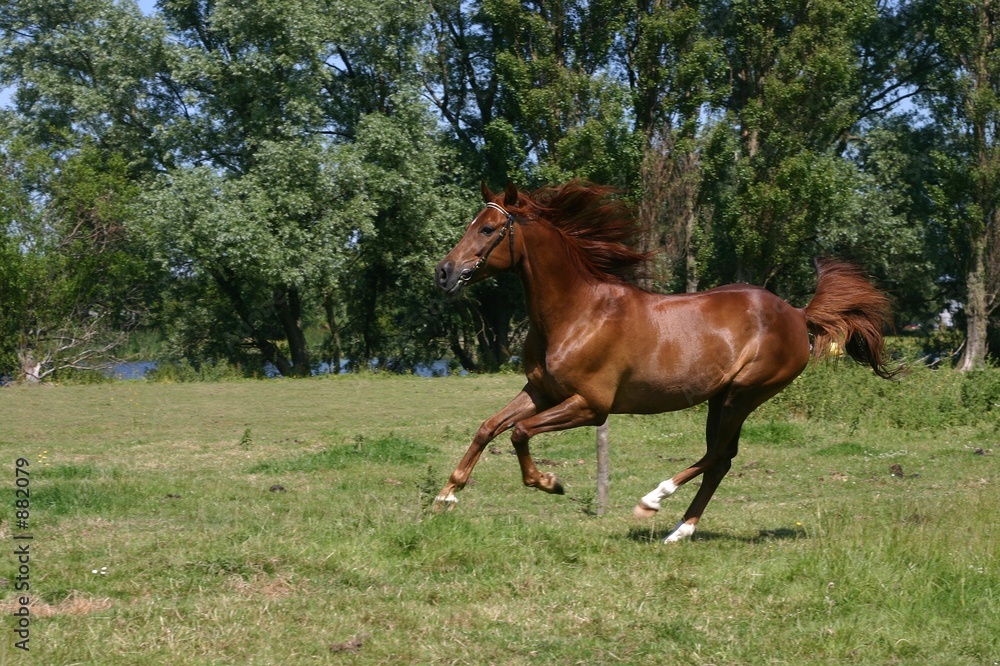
603, 468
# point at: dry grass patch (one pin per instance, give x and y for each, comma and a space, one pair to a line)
75, 604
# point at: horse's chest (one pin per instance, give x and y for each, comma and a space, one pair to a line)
553, 371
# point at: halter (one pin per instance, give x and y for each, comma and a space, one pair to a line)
508, 226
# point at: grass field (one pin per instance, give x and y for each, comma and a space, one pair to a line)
286, 522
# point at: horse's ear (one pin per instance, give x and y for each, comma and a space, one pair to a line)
487, 195
510, 194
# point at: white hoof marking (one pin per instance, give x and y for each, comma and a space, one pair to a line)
450, 499
662, 491
681, 532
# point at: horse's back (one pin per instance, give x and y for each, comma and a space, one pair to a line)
732, 310
696, 344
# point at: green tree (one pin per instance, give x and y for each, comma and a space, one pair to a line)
261, 96
12, 291
967, 193
86, 70
73, 282
245, 253
527, 88
889, 228
399, 166
676, 72
80, 137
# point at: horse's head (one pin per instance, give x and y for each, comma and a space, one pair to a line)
474, 259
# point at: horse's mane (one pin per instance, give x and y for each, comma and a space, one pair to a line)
598, 227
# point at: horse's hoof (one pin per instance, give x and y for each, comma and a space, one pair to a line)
643, 511
681, 532
555, 486
442, 503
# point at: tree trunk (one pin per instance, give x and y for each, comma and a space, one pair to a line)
980, 279
334, 351
493, 336
463, 356
31, 370
692, 274
269, 351
976, 309
690, 251
288, 307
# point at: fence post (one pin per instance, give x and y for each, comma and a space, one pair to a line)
603, 468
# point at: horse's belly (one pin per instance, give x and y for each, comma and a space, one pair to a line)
656, 397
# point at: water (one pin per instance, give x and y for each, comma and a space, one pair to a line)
132, 369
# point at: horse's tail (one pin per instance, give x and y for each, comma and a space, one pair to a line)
849, 311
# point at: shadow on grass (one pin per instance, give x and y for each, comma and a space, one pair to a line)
763, 536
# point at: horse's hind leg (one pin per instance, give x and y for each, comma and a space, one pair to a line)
525, 404
726, 413
709, 484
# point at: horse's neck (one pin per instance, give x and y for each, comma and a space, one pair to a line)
555, 288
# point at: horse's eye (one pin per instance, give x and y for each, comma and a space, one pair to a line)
487, 231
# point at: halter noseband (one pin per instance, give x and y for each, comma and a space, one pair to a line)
508, 227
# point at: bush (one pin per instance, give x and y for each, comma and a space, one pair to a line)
921, 398
981, 391
81, 376
184, 371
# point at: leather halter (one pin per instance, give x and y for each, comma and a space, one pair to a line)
508, 227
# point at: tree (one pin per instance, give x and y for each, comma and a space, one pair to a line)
248, 251
81, 137
12, 291
303, 165
399, 166
261, 96
86, 70
752, 113
967, 194
676, 73
74, 283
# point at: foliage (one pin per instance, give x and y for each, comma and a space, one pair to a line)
847, 394
77, 282
966, 106
11, 273
183, 371
305, 164
981, 391
410, 183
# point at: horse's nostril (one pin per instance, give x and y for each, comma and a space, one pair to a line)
443, 273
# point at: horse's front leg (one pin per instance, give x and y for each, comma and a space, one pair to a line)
527, 403
570, 413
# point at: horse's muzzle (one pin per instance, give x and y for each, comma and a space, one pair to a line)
449, 278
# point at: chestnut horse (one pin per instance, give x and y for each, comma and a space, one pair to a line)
598, 345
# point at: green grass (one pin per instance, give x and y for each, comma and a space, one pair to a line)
286, 522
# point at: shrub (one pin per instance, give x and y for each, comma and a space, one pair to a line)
184, 371
981, 391
922, 398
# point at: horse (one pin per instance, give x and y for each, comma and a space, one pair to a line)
597, 344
